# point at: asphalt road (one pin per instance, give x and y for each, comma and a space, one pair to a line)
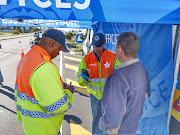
9, 58
77, 119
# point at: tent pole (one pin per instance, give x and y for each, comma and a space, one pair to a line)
174, 85
175, 42
88, 43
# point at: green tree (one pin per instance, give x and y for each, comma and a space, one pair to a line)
15, 32
70, 33
1, 28
18, 29
68, 36
35, 29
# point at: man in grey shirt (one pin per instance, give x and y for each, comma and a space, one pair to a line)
125, 89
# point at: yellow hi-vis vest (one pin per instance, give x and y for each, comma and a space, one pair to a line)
40, 97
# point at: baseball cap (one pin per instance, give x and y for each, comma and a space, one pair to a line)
57, 36
98, 39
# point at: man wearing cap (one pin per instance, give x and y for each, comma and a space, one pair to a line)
99, 63
40, 96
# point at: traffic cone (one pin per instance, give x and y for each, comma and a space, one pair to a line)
19, 41
22, 52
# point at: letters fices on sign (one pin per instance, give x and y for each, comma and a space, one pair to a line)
48, 3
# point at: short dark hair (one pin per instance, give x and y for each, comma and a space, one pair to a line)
129, 42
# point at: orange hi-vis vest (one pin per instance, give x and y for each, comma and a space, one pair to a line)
36, 60
40, 97
99, 70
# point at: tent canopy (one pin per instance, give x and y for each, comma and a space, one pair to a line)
130, 11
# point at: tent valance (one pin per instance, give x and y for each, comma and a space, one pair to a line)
130, 11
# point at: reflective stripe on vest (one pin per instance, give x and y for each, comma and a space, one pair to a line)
97, 80
35, 114
58, 104
24, 96
95, 88
51, 108
94, 79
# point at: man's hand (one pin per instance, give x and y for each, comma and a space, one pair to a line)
70, 87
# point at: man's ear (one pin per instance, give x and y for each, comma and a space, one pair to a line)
121, 51
51, 43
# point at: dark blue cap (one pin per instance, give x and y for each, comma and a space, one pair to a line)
57, 36
98, 39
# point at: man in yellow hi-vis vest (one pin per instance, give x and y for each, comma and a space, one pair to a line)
40, 96
99, 63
